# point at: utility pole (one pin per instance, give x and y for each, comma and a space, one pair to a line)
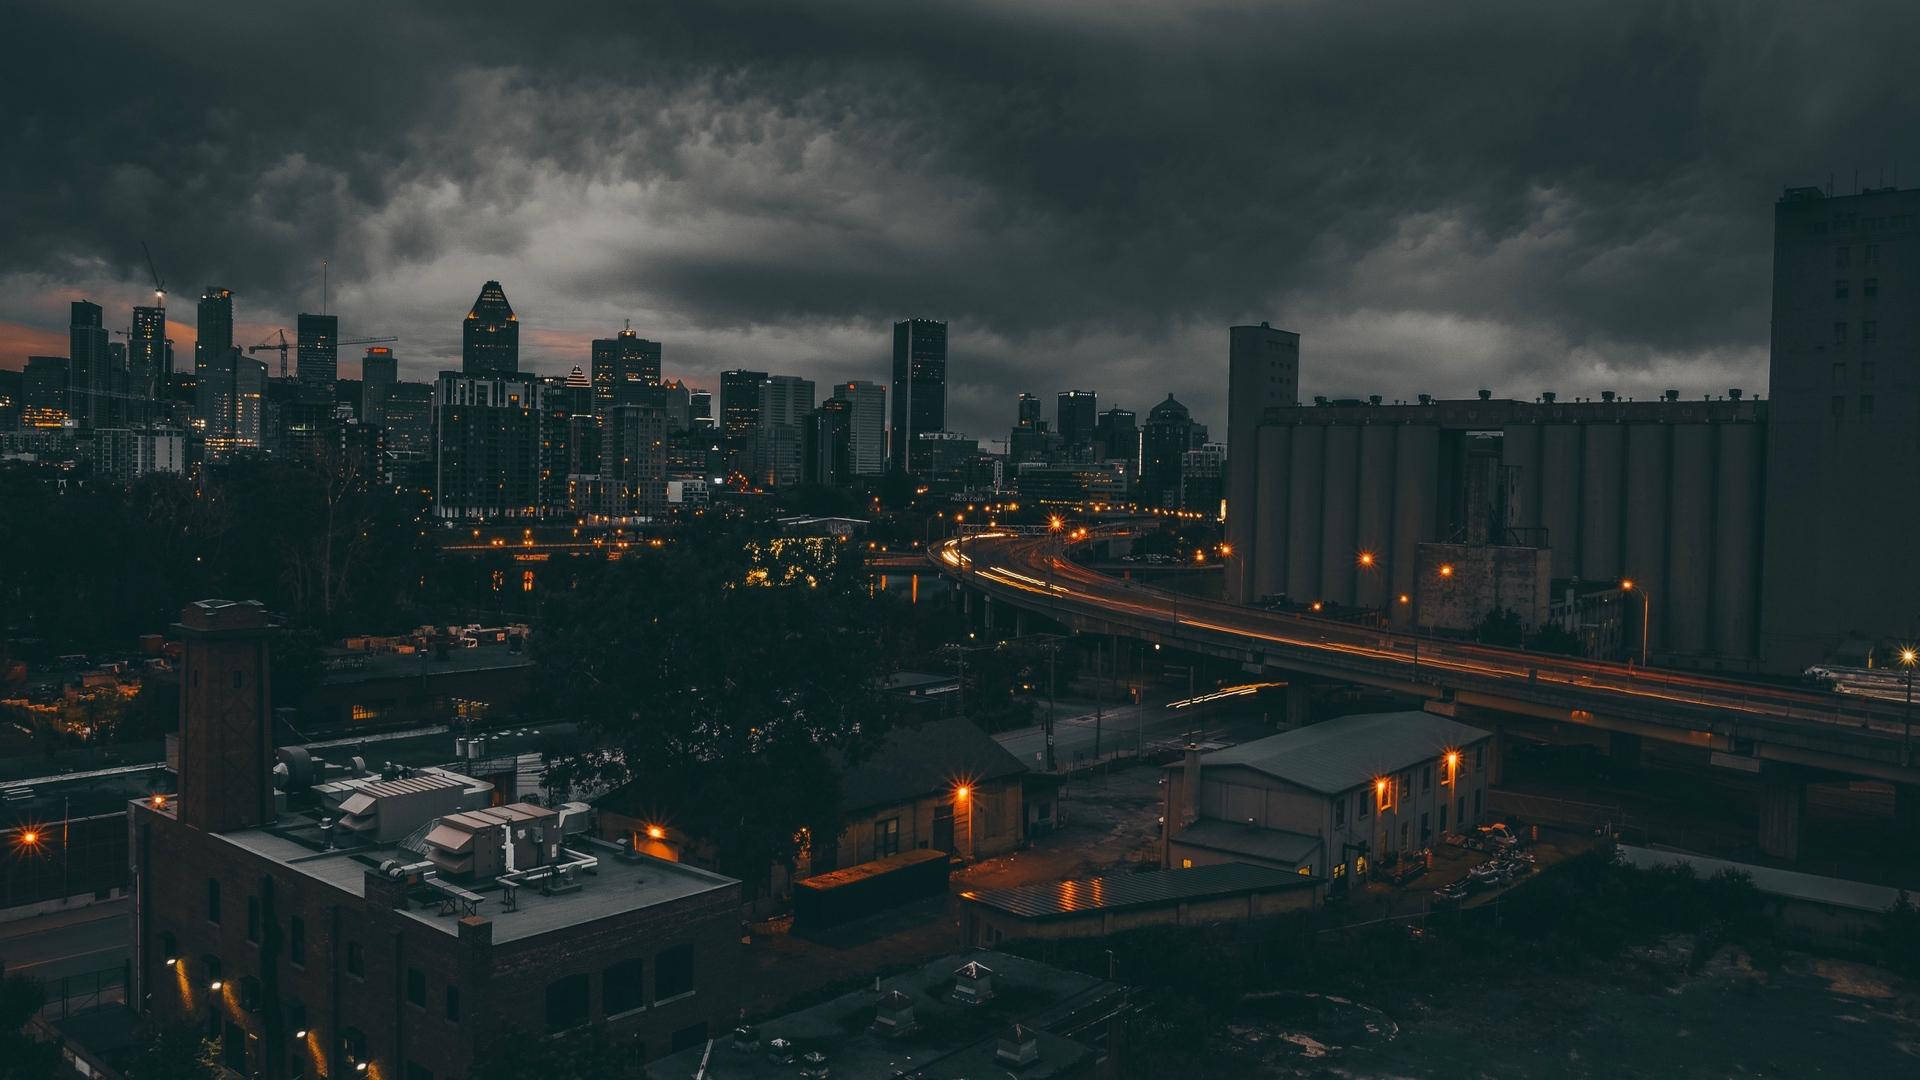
1053, 658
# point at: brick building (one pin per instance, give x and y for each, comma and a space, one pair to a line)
331, 921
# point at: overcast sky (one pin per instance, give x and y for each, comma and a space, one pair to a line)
1438, 197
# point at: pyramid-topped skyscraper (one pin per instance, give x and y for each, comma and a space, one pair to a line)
490, 337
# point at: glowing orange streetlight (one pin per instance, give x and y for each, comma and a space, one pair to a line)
1366, 560
1446, 569
1453, 765
1646, 614
30, 838
962, 791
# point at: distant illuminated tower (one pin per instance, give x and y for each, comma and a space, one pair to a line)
148, 361
490, 336
213, 335
319, 346
866, 427
919, 385
622, 366
379, 370
87, 372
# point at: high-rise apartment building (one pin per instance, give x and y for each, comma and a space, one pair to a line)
1840, 427
409, 418
45, 396
866, 426
501, 447
740, 416
213, 333
318, 349
1263, 372
490, 335
149, 353
623, 365
919, 385
233, 403
634, 456
88, 377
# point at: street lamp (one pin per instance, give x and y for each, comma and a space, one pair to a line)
1646, 613
1909, 657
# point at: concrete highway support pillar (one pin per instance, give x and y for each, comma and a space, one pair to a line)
1299, 705
1625, 749
1783, 815
1906, 810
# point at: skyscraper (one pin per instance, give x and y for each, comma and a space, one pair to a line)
623, 364
919, 385
213, 333
379, 370
88, 361
700, 408
233, 402
319, 349
1074, 417
866, 427
785, 401
635, 457
740, 415
1116, 437
1169, 434
490, 336
828, 455
1263, 372
1840, 432
1028, 440
148, 357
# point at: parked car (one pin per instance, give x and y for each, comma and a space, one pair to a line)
1454, 891
1409, 866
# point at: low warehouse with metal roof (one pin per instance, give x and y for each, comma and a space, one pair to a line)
1095, 907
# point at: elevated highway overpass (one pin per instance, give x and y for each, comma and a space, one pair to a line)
1784, 737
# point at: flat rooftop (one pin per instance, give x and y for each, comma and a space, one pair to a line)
619, 884
1113, 892
950, 1040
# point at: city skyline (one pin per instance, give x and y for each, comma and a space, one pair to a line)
1475, 240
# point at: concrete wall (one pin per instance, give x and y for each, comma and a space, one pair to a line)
1485, 579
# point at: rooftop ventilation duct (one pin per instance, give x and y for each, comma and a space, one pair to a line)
972, 985
893, 1017
1018, 1046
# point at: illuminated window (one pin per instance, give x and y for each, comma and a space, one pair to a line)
1305, 871
1339, 871
1186, 864
365, 712
526, 581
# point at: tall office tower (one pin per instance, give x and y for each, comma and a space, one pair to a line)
740, 416
867, 426
827, 458
233, 403
148, 354
1074, 417
785, 401
634, 456
490, 335
213, 333
319, 349
1840, 431
1116, 437
577, 389
919, 385
700, 408
500, 448
1263, 372
623, 365
1169, 434
379, 370
87, 365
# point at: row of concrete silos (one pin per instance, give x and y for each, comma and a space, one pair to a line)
1668, 493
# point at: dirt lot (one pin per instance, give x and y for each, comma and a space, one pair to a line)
1112, 823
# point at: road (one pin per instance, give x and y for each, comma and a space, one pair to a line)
67, 943
1032, 572
1122, 727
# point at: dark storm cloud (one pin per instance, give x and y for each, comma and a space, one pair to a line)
1522, 196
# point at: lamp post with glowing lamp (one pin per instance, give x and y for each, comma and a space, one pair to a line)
1909, 657
1646, 613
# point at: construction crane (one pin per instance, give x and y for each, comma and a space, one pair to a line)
283, 345
159, 286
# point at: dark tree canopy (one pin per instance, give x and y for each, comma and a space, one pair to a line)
728, 676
